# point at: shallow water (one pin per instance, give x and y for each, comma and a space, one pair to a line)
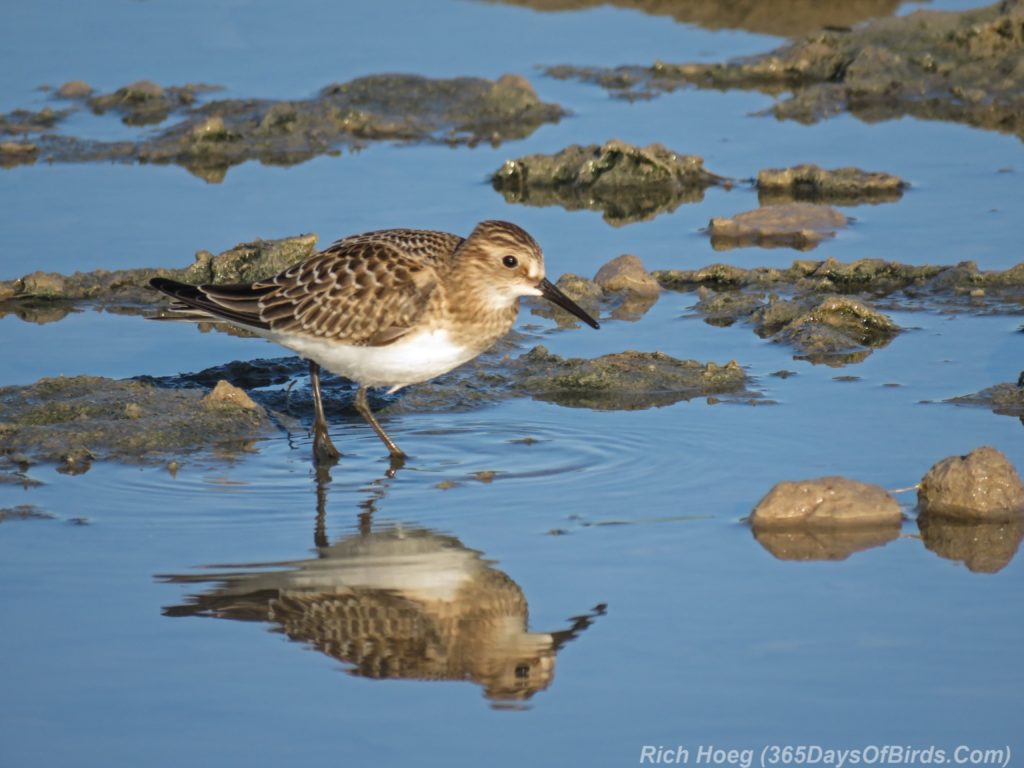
702, 637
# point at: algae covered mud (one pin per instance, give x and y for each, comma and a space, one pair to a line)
775, 499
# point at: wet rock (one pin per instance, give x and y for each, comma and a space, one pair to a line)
983, 485
24, 512
1005, 399
626, 274
982, 547
962, 67
782, 18
14, 153
625, 182
834, 330
837, 330
827, 502
246, 262
724, 308
816, 543
794, 225
841, 186
622, 381
74, 89
146, 103
23, 121
210, 138
84, 418
230, 395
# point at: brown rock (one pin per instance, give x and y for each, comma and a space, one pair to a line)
794, 225
74, 89
628, 275
825, 502
228, 393
983, 485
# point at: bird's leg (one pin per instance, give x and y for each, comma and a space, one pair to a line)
324, 451
364, 409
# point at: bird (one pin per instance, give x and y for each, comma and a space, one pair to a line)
387, 308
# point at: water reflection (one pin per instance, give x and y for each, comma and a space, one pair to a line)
811, 543
982, 547
394, 602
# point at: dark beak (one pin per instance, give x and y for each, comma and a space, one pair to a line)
551, 292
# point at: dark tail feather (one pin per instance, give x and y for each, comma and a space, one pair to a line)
234, 303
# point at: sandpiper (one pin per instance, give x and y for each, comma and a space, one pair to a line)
387, 308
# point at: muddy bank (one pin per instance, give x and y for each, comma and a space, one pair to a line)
48, 296
834, 312
626, 183
209, 138
783, 18
962, 67
75, 421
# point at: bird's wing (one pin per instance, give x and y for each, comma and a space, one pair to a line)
362, 290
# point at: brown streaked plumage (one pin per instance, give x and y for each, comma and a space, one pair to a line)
404, 603
387, 308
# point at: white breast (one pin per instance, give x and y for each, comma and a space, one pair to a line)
412, 359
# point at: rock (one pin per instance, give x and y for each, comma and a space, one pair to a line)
835, 331
793, 225
1006, 399
626, 182
628, 275
74, 89
207, 140
983, 485
826, 502
224, 392
841, 186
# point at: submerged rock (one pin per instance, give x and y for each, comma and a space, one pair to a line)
793, 225
210, 138
983, 547
841, 186
962, 67
625, 182
74, 421
983, 485
623, 288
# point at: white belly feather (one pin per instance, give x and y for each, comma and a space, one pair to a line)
412, 359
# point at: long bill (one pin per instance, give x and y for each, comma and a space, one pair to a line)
552, 293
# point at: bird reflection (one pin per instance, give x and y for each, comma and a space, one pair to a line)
396, 602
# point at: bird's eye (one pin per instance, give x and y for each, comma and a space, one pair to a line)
522, 670
510, 261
